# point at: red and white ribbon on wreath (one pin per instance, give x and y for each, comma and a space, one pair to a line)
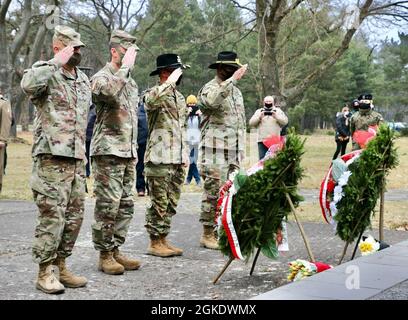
361, 137
328, 185
223, 214
325, 187
223, 217
221, 203
229, 228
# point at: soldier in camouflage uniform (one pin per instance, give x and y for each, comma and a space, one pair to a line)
5, 125
364, 118
62, 96
222, 136
166, 152
114, 153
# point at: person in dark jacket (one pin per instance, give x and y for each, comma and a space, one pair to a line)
142, 132
355, 106
342, 131
89, 131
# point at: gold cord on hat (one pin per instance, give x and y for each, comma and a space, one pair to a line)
235, 61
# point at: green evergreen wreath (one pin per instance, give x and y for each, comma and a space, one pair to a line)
356, 207
260, 205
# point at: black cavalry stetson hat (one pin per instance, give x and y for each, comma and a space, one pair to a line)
228, 58
168, 60
365, 96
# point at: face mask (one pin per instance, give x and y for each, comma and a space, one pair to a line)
346, 113
268, 105
365, 106
75, 60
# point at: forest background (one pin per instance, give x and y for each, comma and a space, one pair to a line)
313, 55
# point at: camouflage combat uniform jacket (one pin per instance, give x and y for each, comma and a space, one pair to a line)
223, 125
62, 103
116, 97
166, 115
363, 119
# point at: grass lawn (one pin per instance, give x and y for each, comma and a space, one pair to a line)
395, 214
316, 160
320, 150
18, 170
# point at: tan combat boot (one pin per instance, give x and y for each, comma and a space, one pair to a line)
47, 280
208, 239
177, 251
127, 263
157, 248
108, 264
67, 278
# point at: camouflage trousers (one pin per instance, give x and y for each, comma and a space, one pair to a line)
58, 185
215, 168
114, 189
164, 184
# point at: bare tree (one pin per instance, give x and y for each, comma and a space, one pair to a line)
112, 14
9, 50
15, 55
270, 17
118, 14
4, 50
36, 50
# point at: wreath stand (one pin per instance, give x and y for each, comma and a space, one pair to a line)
302, 231
380, 231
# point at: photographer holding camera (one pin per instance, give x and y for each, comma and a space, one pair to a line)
193, 138
342, 131
269, 121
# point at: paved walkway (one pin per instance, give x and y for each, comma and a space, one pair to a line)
186, 277
383, 275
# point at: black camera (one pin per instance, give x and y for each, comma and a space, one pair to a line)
268, 111
194, 109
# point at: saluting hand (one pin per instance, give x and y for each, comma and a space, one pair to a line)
64, 55
240, 72
175, 75
130, 57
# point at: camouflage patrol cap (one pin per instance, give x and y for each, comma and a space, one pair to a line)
67, 36
124, 39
